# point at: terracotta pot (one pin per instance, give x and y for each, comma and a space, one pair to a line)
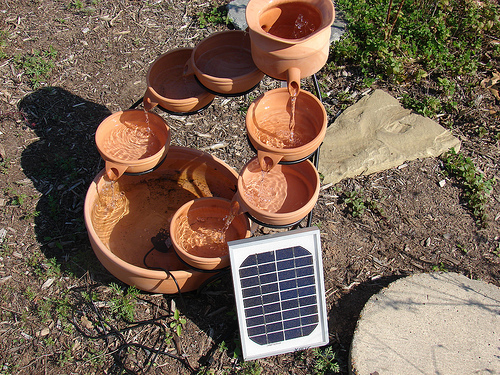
268, 126
170, 88
133, 141
290, 39
223, 63
124, 218
282, 196
196, 232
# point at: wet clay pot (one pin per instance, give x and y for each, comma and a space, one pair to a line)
268, 126
132, 141
127, 218
281, 197
223, 63
170, 88
196, 231
290, 39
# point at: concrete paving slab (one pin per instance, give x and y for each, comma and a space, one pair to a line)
438, 323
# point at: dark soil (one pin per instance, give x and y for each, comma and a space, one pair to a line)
60, 311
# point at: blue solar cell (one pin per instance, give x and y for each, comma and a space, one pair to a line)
252, 301
303, 281
289, 294
268, 309
251, 260
255, 331
255, 321
268, 278
284, 253
248, 271
305, 301
261, 340
289, 304
307, 291
275, 337
303, 261
271, 318
308, 310
292, 323
274, 327
269, 298
253, 311
300, 251
288, 284
305, 271
293, 333
286, 264
308, 320
269, 288
308, 329
288, 274
250, 292
249, 282
290, 314
265, 257
266, 268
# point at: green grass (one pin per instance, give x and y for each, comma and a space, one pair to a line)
214, 16
409, 40
123, 302
477, 188
37, 65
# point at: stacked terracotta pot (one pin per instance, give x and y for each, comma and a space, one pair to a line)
289, 41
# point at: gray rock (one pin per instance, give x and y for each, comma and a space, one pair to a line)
376, 134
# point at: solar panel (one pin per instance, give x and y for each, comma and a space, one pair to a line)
279, 291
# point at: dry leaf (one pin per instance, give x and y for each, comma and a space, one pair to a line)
492, 84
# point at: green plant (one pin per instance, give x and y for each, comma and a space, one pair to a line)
325, 361
123, 303
251, 368
4, 165
477, 188
37, 65
355, 202
17, 199
214, 16
439, 267
429, 106
177, 323
447, 36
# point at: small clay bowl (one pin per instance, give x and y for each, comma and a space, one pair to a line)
281, 197
172, 88
132, 141
190, 225
268, 120
223, 63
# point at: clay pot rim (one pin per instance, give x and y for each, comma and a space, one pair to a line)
222, 80
186, 101
293, 150
137, 271
134, 162
211, 261
279, 217
254, 25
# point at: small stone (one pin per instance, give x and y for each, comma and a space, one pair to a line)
48, 283
442, 183
43, 332
17, 254
447, 236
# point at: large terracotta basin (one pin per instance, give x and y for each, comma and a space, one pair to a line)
129, 217
268, 126
281, 197
171, 88
223, 63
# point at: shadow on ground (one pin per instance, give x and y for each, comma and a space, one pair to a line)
61, 164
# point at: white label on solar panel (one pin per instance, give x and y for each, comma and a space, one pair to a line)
279, 291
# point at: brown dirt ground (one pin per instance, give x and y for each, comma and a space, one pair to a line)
48, 159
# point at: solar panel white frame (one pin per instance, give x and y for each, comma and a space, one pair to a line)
306, 245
